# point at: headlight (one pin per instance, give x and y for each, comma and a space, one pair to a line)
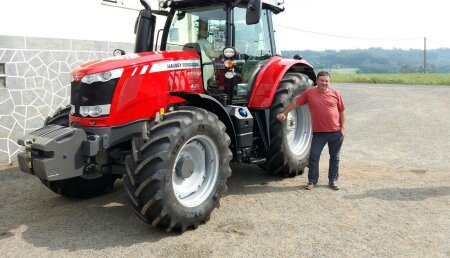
229, 75
229, 52
102, 77
95, 111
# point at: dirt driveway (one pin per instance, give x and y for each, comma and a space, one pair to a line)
394, 201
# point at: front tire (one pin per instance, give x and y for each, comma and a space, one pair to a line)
78, 187
290, 140
178, 169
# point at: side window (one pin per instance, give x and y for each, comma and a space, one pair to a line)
252, 40
252, 43
204, 25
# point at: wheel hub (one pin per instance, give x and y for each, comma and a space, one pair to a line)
196, 170
184, 167
298, 130
291, 122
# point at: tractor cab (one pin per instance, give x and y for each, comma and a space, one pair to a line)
233, 38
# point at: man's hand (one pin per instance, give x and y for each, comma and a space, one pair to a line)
281, 116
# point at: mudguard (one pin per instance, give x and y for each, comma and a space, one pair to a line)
269, 77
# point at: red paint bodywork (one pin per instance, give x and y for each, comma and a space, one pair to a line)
139, 96
268, 79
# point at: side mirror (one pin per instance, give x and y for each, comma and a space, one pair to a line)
118, 52
253, 12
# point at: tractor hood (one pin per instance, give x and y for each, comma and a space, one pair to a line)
130, 60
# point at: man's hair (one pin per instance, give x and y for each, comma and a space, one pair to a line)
297, 57
323, 73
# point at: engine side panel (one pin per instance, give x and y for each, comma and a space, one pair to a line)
145, 84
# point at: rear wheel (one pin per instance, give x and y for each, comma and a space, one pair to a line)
290, 140
176, 177
82, 186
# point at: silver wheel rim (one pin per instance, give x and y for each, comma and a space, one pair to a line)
196, 171
298, 128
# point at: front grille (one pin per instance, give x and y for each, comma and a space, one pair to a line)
94, 94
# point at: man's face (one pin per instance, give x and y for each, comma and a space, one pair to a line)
323, 81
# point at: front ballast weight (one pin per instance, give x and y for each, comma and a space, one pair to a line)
55, 152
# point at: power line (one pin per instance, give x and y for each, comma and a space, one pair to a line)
439, 43
342, 36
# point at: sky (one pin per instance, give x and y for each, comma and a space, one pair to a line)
351, 24
305, 24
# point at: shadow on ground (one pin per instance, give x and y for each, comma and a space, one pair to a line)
45, 219
250, 179
403, 194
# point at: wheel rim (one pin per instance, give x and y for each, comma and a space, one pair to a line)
196, 171
298, 128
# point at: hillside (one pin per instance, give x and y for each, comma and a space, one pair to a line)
377, 60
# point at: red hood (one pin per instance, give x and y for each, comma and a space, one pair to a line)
116, 62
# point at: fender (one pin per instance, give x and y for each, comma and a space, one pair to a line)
269, 78
211, 104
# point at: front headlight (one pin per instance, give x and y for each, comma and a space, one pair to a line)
102, 77
95, 111
229, 52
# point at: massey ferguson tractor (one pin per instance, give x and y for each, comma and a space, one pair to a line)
169, 118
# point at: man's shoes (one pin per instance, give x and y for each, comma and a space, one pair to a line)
333, 185
310, 186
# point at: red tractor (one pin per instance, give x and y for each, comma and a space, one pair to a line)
169, 122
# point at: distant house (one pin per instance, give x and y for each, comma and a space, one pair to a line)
40, 43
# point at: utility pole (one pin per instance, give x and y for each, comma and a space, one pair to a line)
425, 55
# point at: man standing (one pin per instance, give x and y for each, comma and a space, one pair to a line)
328, 124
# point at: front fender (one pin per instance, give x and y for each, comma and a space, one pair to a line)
212, 105
270, 76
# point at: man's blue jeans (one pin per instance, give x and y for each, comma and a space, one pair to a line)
334, 140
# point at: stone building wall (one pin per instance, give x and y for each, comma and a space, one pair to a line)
35, 81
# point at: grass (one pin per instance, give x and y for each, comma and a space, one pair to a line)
407, 78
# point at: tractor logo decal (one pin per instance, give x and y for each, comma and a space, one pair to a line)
174, 65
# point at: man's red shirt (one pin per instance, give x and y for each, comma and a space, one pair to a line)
324, 108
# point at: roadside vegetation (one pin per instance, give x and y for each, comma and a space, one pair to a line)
390, 78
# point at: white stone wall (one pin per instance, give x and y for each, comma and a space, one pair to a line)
37, 81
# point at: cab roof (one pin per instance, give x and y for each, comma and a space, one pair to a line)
273, 5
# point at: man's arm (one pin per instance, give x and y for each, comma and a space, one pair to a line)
342, 121
281, 116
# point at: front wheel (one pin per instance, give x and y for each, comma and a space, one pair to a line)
178, 169
290, 140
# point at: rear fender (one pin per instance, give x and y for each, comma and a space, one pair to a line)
211, 104
270, 76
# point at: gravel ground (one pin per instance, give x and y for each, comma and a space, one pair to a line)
394, 199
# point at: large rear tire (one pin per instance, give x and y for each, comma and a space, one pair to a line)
290, 140
178, 169
81, 187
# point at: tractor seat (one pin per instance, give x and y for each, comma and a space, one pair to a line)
193, 47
